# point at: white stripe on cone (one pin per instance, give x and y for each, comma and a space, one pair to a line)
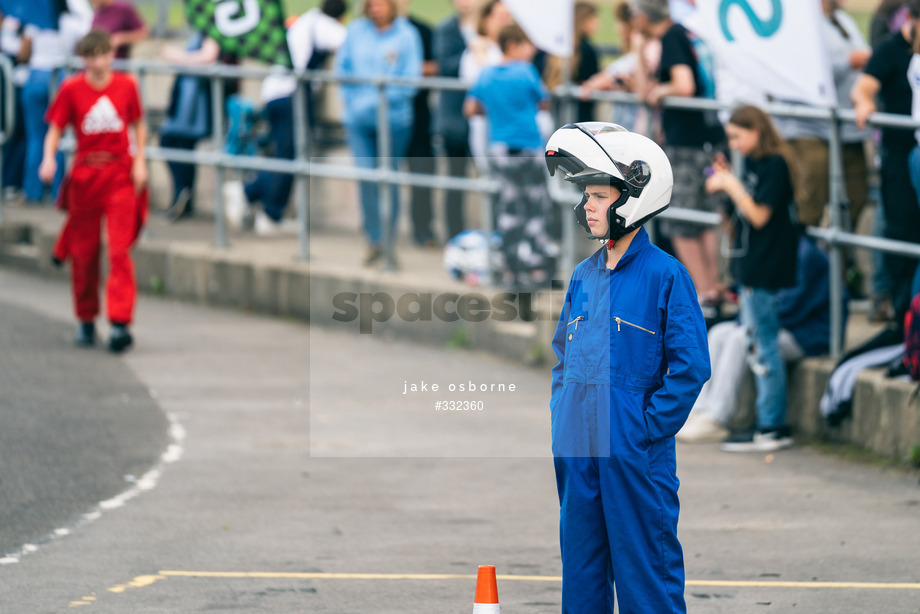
486, 608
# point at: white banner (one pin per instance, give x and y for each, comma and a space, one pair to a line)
773, 46
550, 24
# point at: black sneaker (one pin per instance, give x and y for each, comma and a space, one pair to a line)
120, 338
86, 335
880, 310
374, 254
181, 208
854, 281
759, 441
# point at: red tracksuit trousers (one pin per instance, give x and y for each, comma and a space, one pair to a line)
97, 191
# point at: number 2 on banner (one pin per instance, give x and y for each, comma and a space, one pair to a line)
230, 23
762, 28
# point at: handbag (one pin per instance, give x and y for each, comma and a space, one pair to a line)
189, 109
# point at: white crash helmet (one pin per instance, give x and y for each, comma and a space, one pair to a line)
604, 153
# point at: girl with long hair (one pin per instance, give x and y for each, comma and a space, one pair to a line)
764, 254
584, 62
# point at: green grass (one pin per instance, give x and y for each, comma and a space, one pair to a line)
430, 11
459, 340
855, 454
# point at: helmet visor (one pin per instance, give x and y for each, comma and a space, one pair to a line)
636, 174
562, 159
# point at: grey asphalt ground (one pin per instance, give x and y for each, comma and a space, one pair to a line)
76, 427
305, 475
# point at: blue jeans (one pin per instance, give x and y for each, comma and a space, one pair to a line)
881, 279
274, 189
183, 175
35, 99
914, 162
14, 150
915, 288
760, 315
899, 173
362, 140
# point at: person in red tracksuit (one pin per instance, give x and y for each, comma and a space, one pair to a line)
105, 181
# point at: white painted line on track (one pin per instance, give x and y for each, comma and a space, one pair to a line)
145, 483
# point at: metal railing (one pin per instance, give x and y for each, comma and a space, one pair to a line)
836, 236
9, 112
304, 169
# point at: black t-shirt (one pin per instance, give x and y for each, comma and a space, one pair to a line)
231, 84
422, 110
588, 66
588, 62
888, 64
682, 127
766, 257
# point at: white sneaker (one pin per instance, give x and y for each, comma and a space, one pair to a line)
289, 225
235, 204
702, 429
760, 441
267, 227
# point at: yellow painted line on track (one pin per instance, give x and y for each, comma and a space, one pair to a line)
335, 576
138, 582
755, 584
424, 577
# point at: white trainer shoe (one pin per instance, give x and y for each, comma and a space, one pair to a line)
702, 429
760, 441
235, 204
267, 227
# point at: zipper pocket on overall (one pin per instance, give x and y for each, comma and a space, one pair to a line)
621, 321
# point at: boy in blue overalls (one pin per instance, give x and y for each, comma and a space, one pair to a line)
633, 356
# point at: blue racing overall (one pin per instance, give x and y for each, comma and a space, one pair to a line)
632, 350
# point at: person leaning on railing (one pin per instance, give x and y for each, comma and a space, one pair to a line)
16, 46
123, 23
315, 34
888, 18
450, 40
692, 137
619, 74
584, 63
188, 116
765, 260
481, 52
809, 138
48, 52
378, 44
420, 155
886, 77
511, 95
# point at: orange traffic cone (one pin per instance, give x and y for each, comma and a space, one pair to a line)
486, 601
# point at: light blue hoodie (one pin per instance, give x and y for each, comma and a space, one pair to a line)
369, 52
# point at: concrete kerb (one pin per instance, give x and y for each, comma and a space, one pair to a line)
885, 414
